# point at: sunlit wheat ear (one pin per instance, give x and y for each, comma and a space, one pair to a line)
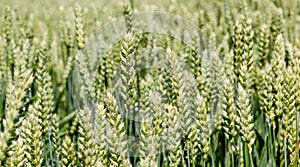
278, 66
248, 55
18, 154
45, 102
245, 118
170, 86
15, 94
8, 26
33, 138
126, 69
67, 156
116, 135
80, 34
289, 114
229, 111
204, 128
128, 14
295, 64
55, 140
266, 95
217, 73
147, 150
101, 130
86, 139
263, 46
238, 45
174, 140
276, 26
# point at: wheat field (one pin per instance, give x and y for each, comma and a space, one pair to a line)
148, 83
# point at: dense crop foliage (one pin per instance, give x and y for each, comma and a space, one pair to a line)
232, 98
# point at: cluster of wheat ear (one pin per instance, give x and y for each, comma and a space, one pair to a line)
231, 98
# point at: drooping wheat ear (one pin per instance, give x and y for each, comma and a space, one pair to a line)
101, 132
67, 155
128, 14
80, 34
116, 135
174, 139
247, 55
55, 140
266, 95
289, 111
204, 128
16, 92
263, 46
245, 118
86, 139
45, 97
32, 130
229, 111
238, 44
278, 64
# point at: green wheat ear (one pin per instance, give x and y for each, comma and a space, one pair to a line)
67, 148
80, 34
33, 137
229, 111
174, 143
289, 114
101, 131
86, 139
245, 118
238, 45
147, 150
278, 64
116, 136
263, 46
